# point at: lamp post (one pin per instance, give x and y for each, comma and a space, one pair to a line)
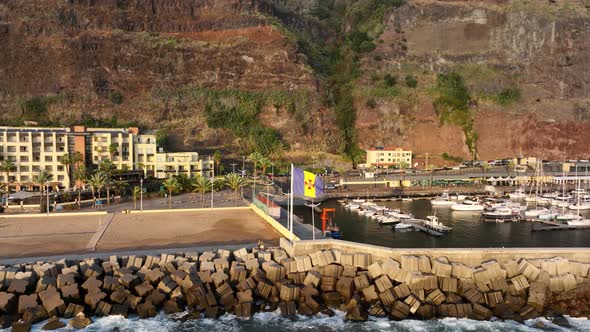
313, 206
233, 167
47, 189
212, 187
141, 195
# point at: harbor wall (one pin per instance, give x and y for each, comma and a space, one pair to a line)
304, 278
468, 256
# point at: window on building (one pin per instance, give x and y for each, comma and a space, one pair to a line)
60, 168
60, 178
23, 149
24, 178
24, 159
24, 168
36, 169
11, 149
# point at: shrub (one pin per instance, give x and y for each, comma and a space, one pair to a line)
507, 96
390, 80
115, 97
448, 157
411, 81
371, 103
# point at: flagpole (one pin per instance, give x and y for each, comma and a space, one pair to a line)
291, 200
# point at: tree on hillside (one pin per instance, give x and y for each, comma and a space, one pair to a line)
171, 184
255, 158
7, 166
217, 160
43, 179
235, 183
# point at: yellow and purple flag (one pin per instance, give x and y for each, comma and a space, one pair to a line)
307, 184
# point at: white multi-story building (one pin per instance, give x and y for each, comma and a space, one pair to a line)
384, 157
32, 149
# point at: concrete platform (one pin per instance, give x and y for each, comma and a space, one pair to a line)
37, 236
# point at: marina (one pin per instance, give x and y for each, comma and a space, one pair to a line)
469, 228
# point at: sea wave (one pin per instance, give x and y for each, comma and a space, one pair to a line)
273, 321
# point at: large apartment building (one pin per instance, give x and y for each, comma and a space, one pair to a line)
383, 157
32, 149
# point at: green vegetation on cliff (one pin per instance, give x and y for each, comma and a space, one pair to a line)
355, 27
452, 105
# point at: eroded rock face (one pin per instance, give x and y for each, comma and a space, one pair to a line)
86, 51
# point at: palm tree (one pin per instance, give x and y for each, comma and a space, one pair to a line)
119, 186
135, 193
171, 184
42, 179
217, 160
201, 185
235, 182
81, 178
264, 164
255, 158
107, 167
67, 161
97, 181
7, 166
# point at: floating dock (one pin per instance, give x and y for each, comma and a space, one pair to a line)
553, 226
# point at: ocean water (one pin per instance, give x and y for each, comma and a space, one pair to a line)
274, 322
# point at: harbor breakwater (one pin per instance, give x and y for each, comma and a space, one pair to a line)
306, 278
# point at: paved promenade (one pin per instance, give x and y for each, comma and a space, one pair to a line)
42, 236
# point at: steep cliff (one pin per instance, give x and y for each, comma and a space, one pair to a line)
313, 75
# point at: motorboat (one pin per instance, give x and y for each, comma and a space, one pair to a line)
389, 220
580, 206
442, 200
468, 205
545, 201
434, 224
352, 206
535, 212
396, 213
565, 217
517, 194
502, 213
579, 222
402, 225
550, 195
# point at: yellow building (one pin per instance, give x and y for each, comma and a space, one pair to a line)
383, 157
34, 148
31, 150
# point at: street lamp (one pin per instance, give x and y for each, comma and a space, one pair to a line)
312, 206
212, 187
141, 194
47, 189
233, 167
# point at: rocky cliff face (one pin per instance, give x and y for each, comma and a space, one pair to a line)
160, 63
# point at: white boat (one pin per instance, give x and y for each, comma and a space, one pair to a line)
442, 200
501, 213
567, 217
434, 224
550, 195
403, 226
548, 216
396, 213
358, 200
581, 206
535, 213
389, 220
544, 201
532, 198
352, 206
517, 194
468, 205
579, 222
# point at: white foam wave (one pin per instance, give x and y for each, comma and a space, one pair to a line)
273, 321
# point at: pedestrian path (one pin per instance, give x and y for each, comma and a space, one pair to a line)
102, 228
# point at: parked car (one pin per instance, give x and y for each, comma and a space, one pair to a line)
330, 186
